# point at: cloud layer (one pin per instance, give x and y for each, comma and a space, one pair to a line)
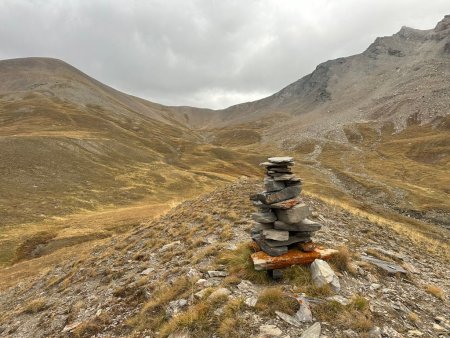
204, 53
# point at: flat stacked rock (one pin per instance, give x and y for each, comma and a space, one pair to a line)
281, 222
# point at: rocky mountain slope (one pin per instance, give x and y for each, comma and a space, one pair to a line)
190, 271
84, 168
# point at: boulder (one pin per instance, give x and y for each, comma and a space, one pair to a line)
294, 215
214, 273
322, 274
220, 292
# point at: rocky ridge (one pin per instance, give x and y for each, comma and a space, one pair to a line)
116, 289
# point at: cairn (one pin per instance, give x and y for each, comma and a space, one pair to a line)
281, 224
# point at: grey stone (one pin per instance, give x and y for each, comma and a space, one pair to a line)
341, 300
169, 246
289, 319
322, 274
287, 204
284, 177
305, 237
304, 313
303, 226
270, 331
251, 301
175, 307
271, 185
147, 271
264, 217
214, 273
276, 235
278, 196
220, 292
313, 331
281, 159
294, 215
259, 227
271, 251
389, 267
375, 332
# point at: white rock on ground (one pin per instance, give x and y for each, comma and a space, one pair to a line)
313, 331
220, 292
270, 331
322, 274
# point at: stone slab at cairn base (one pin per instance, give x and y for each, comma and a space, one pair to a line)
263, 261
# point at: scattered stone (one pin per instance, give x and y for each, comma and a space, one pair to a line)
251, 301
322, 274
304, 314
270, 331
375, 332
350, 334
201, 293
70, 327
215, 273
390, 332
289, 319
220, 292
313, 331
389, 267
180, 335
341, 300
410, 268
175, 307
169, 246
276, 235
147, 271
415, 333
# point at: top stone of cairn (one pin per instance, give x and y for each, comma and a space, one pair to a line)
281, 160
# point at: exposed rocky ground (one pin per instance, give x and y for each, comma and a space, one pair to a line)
188, 271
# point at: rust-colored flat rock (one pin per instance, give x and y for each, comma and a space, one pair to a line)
263, 261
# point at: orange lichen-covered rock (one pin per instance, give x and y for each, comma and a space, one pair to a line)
263, 261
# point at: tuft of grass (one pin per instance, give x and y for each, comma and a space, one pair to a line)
240, 264
300, 276
413, 317
274, 299
355, 315
434, 290
91, 327
152, 315
35, 306
341, 260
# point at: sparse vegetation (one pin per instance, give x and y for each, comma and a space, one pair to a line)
434, 290
239, 263
274, 299
35, 306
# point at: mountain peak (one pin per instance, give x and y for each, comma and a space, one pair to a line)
444, 24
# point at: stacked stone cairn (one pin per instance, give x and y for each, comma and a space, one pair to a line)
281, 222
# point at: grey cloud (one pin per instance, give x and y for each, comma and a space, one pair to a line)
203, 52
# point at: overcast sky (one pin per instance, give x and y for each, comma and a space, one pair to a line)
203, 53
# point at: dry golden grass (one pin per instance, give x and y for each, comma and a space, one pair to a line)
356, 315
35, 306
436, 291
240, 264
274, 299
